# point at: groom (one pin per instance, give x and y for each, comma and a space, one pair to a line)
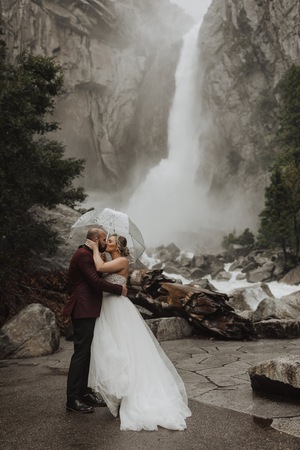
84, 307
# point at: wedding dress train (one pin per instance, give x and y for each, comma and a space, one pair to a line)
131, 371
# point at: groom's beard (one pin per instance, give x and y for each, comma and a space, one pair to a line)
102, 248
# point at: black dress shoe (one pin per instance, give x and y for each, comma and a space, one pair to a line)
93, 400
79, 407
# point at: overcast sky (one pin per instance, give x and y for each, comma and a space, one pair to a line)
195, 8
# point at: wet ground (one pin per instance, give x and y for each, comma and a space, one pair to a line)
227, 414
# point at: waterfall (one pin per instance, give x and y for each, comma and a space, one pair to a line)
166, 205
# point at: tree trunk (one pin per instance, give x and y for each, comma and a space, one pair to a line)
207, 311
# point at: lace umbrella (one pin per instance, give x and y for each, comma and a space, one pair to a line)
113, 222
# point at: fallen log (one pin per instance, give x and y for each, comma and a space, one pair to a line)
207, 311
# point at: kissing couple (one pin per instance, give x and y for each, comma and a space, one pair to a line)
115, 353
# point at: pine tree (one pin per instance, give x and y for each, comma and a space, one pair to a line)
33, 169
275, 225
280, 219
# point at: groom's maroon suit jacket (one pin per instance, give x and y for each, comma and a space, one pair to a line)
87, 286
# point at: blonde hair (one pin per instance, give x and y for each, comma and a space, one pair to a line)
121, 242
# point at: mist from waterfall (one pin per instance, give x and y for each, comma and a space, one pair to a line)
181, 199
166, 205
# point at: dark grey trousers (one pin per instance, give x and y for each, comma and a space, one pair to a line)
83, 331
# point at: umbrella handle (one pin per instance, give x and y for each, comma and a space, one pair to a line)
109, 227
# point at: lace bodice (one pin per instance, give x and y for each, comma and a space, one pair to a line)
115, 278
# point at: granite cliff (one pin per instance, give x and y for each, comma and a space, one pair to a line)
107, 48
245, 48
120, 59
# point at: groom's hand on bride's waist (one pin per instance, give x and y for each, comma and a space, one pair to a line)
124, 290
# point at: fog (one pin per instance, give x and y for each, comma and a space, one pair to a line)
171, 205
165, 205
194, 8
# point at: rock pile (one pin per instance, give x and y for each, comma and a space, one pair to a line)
271, 317
255, 266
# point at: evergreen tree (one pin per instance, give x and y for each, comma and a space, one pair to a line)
33, 169
291, 178
275, 225
281, 215
246, 238
289, 113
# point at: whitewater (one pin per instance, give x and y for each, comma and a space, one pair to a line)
278, 289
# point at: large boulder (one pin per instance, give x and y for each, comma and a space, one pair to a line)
249, 265
170, 268
248, 298
197, 274
292, 277
169, 328
173, 250
238, 263
202, 262
278, 318
185, 259
278, 376
165, 254
285, 308
32, 332
223, 276
260, 266
216, 265
209, 264
263, 273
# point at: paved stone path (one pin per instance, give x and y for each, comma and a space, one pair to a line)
227, 414
216, 373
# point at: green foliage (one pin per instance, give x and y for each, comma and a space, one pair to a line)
228, 240
288, 133
280, 218
275, 227
246, 238
33, 170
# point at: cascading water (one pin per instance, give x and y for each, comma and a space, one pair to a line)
166, 205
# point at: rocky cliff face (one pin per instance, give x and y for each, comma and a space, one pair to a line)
120, 59
106, 48
246, 47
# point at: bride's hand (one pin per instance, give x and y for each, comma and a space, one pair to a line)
93, 245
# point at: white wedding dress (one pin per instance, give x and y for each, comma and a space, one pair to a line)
131, 371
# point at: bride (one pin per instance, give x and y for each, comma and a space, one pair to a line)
128, 367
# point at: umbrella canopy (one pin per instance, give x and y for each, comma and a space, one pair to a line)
113, 222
